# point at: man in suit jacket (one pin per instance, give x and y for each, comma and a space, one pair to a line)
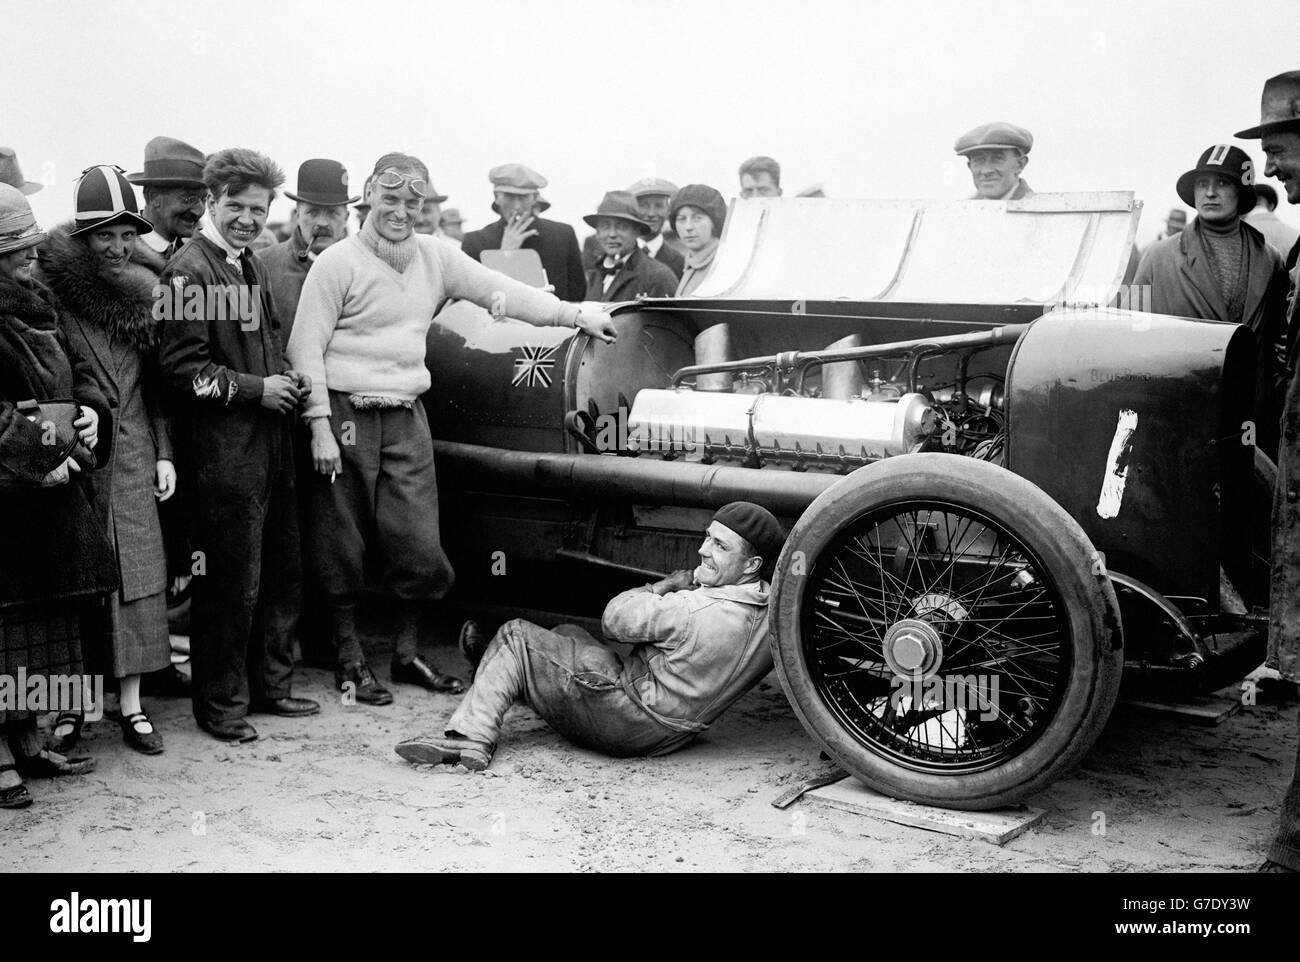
625, 272
515, 192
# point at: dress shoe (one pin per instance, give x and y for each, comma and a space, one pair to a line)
147, 743
286, 707
15, 796
232, 730
50, 764
169, 682
472, 643
419, 672
445, 750
366, 686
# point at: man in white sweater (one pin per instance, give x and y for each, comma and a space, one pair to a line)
359, 334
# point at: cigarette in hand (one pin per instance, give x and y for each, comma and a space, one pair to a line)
332, 474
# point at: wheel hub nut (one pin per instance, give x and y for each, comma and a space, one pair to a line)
913, 648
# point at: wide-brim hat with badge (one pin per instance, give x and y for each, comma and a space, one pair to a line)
996, 135
1279, 107
169, 162
323, 183
1227, 161
622, 205
18, 227
12, 174
104, 197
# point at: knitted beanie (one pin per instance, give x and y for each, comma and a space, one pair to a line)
755, 524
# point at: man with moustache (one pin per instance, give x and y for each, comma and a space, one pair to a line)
1279, 134
232, 425
320, 219
174, 193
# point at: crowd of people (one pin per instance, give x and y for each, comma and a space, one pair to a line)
187, 401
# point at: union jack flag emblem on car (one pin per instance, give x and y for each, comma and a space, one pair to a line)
534, 368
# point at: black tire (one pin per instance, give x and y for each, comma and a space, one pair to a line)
1069, 680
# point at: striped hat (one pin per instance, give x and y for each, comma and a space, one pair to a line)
18, 229
105, 196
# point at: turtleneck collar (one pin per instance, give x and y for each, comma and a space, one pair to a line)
397, 255
1224, 231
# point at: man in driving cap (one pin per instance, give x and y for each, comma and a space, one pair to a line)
996, 154
515, 195
699, 642
624, 271
1279, 133
1221, 269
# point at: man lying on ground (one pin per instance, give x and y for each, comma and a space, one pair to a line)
700, 642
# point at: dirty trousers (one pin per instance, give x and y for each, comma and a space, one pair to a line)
382, 509
245, 601
571, 680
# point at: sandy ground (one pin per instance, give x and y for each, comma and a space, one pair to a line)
328, 793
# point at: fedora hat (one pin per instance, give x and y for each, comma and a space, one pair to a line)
322, 182
12, 174
169, 162
1279, 107
104, 196
18, 227
620, 204
1226, 161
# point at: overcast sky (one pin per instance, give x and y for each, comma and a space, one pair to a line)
863, 97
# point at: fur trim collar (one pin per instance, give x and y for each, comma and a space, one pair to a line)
121, 306
30, 302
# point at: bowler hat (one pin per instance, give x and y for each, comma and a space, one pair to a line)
997, 135
169, 162
1279, 107
652, 186
1227, 161
12, 174
104, 196
516, 179
620, 204
18, 228
322, 182
701, 197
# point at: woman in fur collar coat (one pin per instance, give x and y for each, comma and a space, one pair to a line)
55, 558
108, 319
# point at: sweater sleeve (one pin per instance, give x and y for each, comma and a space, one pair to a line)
319, 308
502, 296
641, 617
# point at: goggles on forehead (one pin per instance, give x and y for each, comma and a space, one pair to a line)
392, 180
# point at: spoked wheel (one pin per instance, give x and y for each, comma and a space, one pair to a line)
945, 631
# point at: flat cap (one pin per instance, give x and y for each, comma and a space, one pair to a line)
994, 136
516, 179
648, 186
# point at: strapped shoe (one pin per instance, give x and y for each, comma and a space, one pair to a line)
70, 722
147, 743
365, 685
15, 796
419, 672
443, 750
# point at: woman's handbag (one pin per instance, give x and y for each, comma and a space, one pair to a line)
55, 419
